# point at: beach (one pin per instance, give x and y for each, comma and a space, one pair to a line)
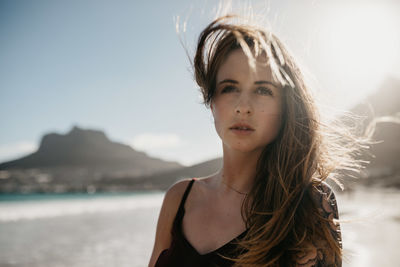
100, 231
119, 230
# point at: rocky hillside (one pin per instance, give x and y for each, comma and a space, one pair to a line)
81, 160
89, 149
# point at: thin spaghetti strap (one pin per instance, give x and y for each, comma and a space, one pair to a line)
186, 193
176, 230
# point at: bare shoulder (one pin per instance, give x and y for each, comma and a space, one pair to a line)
166, 218
207, 181
175, 192
172, 199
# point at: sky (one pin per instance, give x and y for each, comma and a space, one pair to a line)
121, 67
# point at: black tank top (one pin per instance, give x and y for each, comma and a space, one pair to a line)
182, 254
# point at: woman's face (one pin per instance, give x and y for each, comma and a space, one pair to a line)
246, 104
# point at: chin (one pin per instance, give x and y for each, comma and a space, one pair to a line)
245, 148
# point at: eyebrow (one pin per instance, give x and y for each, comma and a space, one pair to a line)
256, 82
228, 81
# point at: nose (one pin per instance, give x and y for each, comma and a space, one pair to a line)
244, 106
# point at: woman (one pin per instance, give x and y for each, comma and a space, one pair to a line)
268, 205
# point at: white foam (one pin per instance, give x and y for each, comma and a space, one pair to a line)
30, 210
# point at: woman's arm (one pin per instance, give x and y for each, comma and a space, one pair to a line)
320, 253
166, 218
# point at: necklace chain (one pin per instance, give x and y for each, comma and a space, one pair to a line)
237, 191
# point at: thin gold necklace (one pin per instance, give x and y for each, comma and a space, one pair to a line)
237, 191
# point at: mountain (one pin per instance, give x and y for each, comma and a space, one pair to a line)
89, 149
384, 101
384, 107
87, 161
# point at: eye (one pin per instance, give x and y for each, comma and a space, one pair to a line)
228, 89
264, 91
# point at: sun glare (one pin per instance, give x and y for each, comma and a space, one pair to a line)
363, 42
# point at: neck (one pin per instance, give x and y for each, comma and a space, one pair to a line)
238, 171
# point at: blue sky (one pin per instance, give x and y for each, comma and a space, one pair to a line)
118, 66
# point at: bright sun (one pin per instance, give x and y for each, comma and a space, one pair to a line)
363, 43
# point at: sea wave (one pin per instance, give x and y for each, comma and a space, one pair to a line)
31, 210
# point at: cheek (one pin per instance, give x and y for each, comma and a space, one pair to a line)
215, 115
221, 118
272, 122
220, 110
271, 108
277, 124
218, 124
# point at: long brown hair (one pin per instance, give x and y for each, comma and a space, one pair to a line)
280, 212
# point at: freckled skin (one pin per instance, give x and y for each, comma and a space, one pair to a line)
246, 101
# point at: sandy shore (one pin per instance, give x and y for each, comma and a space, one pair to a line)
120, 231
370, 227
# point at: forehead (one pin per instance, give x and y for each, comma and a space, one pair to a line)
237, 66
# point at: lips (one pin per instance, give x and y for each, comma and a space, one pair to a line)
241, 127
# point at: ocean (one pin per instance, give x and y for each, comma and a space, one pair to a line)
119, 229
78, 230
